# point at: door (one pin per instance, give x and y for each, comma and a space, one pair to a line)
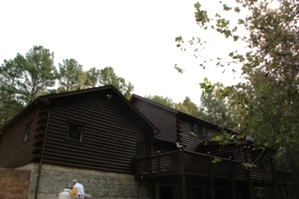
166, 192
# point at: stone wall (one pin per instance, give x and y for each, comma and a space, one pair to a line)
103, 185
14, 184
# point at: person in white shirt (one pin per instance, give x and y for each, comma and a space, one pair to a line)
77, 190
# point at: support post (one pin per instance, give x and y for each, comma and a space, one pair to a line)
232, 177
211, 177
275, 183
158, 162
183, 175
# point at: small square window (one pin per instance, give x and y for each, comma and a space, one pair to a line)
27, 132
74, 132
199, 131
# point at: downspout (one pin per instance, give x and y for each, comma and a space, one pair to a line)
41, 158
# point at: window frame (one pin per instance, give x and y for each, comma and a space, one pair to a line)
27, 131
199, 130
71, 138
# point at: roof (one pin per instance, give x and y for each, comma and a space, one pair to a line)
35, 104
173, 110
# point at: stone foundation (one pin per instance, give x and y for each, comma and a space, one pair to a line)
103, 185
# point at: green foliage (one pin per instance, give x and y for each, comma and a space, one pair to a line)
70, 75
107, 76
248, 165
193, 134
10, 90
24, 78
180, 70
265, 105
38, 72
189, 107
201, 16
166, 101
92, 77
216, 160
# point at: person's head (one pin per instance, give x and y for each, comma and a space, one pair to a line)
74, 182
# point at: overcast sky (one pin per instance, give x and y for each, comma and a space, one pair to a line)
134, 37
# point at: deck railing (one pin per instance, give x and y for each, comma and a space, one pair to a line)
199, 164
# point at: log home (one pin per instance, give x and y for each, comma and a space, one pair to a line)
90, 135
186, 163
133, 149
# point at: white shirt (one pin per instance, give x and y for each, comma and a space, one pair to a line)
80, 189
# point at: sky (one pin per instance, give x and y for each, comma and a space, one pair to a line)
135, 37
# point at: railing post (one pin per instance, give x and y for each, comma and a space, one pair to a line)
158, 162
232, 177
293, 182
211, 177
183, 174
136, 166
275, 182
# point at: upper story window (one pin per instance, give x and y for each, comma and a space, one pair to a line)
227, 155
75, 132
199, 131
27, 132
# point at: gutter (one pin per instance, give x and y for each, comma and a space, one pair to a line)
42, 155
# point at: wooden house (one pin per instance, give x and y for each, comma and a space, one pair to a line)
90, 135
134, 149
186, 163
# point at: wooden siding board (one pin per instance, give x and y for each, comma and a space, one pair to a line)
110, 133
190, 141
164, 120
14, 151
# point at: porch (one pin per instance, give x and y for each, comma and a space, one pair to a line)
183, 164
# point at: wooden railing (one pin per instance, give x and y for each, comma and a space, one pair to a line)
199, 164
284, 176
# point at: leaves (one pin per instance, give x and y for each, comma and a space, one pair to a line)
266, 103
24, 78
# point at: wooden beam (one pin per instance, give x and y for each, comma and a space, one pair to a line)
211, 177
232, 178
183, 176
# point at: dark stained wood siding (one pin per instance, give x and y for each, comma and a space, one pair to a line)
163, 119
163, 147
111, 131
190, 141
14, 152
220, 150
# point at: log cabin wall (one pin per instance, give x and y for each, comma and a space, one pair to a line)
162, 118
190, 141
236, 152
163, 147
110, 133
15, 148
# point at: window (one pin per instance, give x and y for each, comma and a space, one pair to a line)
198, 130
27, 131
143, 149
74, 132
227, 155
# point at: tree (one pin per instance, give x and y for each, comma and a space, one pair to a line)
107, 76
70, 75
93, 76
187, 106
266, 103
10, 90
38, 72
166, 101
213, 104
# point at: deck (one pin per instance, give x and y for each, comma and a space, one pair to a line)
199, 164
